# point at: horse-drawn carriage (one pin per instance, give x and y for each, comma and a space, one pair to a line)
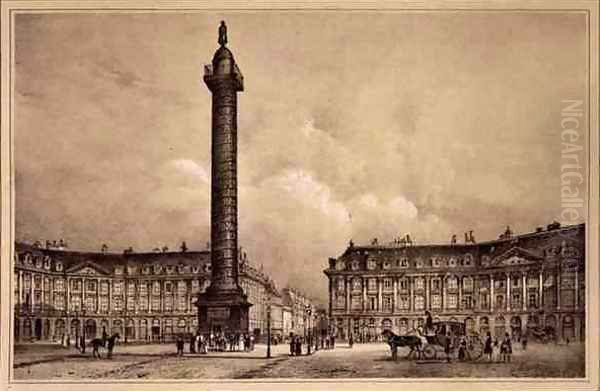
543, 334
434, 343
454, 333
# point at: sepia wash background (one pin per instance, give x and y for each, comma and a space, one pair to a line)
352, 125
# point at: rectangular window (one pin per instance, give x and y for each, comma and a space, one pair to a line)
76, 285
436, 284
59, 285
387, 283
143, 303
452, 283
76, 303
181, 304
372, 303
404, 303
168, 287
59, 301
46, 284
38, 282
467, 284
340, 301
403, 285
340, 284
104, 304
26, 282
467, 302
419, 283
130, 304
118, 303
90, 304
387, 303
484, 301
419, 302
118, 287
104, 288
372, 284
452, 301
532, 301
168, 303
436, 301
155, 303
131, 289
516, 300
156, 288
143, 288
499, 301
181, 288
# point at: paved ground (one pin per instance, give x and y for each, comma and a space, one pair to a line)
369, 360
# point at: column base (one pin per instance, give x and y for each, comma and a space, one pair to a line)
223, 311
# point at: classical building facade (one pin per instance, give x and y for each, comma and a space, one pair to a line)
515, 284
300, 309
143, 296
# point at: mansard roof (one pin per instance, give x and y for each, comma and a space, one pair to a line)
532, 247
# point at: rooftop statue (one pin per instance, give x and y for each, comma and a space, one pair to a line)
222, 34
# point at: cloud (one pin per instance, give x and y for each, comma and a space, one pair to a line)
191, 168
430, 135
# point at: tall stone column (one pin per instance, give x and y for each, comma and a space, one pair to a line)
224, 306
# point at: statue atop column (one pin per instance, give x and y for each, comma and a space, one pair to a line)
222, 34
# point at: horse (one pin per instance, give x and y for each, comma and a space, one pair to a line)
96, 343
111, 343
108, 343
411, 341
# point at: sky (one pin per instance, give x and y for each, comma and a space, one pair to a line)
352, 125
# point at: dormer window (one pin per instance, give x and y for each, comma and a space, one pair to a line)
355, 265
195, 269
468, 261
47, 262
435, 261
419, 263
452, 262
404, 262
146, 270
371, 264
59, 266
387, 265
38, 262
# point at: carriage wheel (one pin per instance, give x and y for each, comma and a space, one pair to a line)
429, 352
475, 348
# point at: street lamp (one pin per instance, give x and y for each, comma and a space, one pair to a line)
268, 302
309, 339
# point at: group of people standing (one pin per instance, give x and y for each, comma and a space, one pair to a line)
216, 342
505, 347
296, 342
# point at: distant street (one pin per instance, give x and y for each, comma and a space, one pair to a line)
368, 360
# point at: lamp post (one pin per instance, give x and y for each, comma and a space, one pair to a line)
309, 339
268, 302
